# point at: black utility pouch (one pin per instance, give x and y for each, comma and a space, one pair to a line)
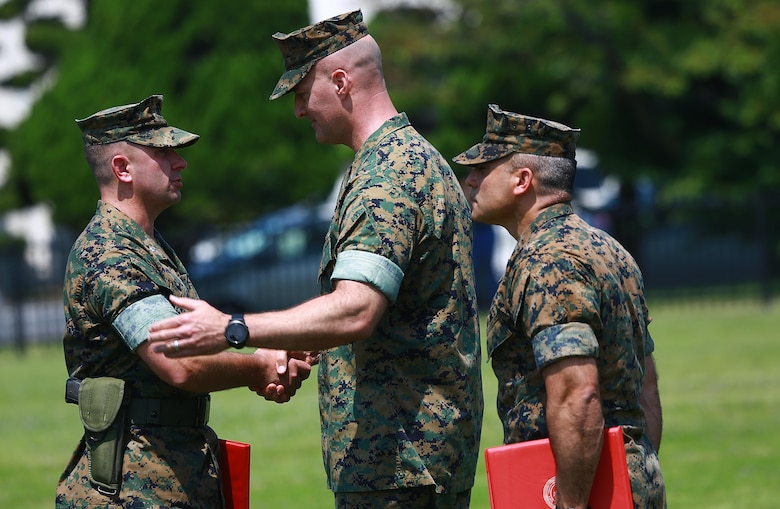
72, 386
101, 406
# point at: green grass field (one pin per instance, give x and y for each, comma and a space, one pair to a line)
720, 389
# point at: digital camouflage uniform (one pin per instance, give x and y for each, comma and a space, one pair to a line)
401, 411
571, 290
114, 263
403, 408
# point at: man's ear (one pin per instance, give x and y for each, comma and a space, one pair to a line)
341, 81
523, 179
120, 166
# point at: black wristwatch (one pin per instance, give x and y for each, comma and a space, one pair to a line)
236, 331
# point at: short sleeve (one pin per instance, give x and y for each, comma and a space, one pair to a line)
561, 309
381, 220
573, 339
369, 268
133, 322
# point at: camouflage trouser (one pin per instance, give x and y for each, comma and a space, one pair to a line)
179, 471
647, 482
424, 497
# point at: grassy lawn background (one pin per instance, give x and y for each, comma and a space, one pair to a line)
720, 389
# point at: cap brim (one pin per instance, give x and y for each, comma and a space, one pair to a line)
164, 137
289, 80
483, 153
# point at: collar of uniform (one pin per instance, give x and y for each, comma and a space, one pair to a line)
391, 125
546, 215
126, 224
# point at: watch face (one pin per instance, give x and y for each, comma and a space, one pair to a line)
236, 333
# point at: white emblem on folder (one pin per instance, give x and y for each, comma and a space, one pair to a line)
548, 492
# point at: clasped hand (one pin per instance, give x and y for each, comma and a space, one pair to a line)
292, 368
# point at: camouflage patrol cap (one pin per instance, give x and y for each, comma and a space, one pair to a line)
509, 132
304, 47
141, 123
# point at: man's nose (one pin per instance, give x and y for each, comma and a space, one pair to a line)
178, 162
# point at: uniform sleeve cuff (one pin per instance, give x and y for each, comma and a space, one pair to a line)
133, 322
369, 268
574, 339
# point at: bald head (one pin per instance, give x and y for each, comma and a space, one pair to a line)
345, 95
361, 59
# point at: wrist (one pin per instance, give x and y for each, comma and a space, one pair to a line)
236, 331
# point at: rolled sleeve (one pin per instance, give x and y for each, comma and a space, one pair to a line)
369, 268
133, 322
574, 339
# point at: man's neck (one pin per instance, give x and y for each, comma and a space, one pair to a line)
137, 214
378, 110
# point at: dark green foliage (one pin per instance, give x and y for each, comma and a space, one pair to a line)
12, 8
686, 92
216, 65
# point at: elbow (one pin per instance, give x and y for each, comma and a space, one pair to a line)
179, 375
585, 403
589, 404
176, 380
596, 410
362, 325
362, 307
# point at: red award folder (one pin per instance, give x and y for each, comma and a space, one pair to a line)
522, 475
234, 464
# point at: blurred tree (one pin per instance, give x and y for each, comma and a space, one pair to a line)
16, 194
683, 91
679, 89
216, 65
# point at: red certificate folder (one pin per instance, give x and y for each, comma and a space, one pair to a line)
234, 463
522, 475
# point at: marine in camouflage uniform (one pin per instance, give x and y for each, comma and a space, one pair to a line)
402, 408
570, 290
118, 277
396, 325
112, 265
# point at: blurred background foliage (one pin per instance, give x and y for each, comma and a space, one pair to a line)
683, 92
216, 66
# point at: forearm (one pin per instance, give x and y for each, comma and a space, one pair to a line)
225, 371
576, 438
576, 428
348, 314
217, 372
312, 326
